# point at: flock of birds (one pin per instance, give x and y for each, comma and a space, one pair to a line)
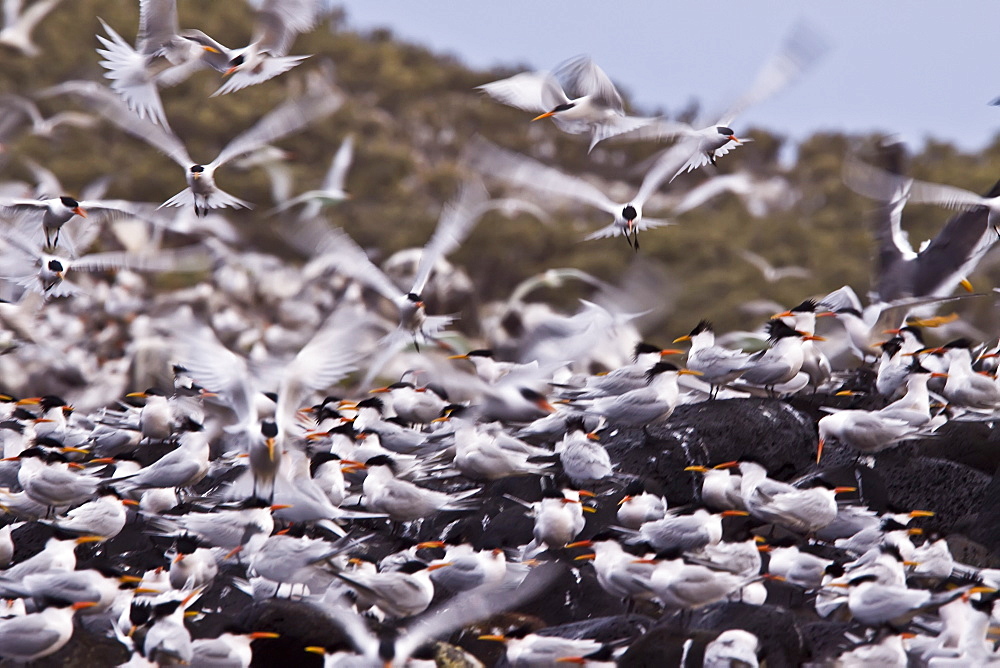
244, 476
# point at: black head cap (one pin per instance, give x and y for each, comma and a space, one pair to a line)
659, 368
566, 106
959, 343
643, 348
629, 213
723, 130
69, 202
413, 297
55, 265
482, 352
196, 169
380, 460
269, 429
703, 326
807, 306
372, 402
777, 329
412, 567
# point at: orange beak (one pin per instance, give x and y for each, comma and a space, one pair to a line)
541, 116
80, 212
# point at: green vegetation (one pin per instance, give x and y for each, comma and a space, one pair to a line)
412, 111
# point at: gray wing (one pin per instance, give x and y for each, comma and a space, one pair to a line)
581, 76
802, 49
279, 22
456, 222
530, 91
217, 369
105, 102
524, 172
191, 259
157, 24
286, 119
666, 165
473, 606
337, 174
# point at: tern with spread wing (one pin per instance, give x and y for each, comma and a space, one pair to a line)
202, 193
18, 25
332, 189
279, 22
597, 109
802, 49
524, 172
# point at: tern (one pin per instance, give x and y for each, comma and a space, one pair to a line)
639, 506
41, 126
801, 50
403, 501
643, 406
734, 647
524, 172
874, 604
596, 110
942, 263
403, 593
229, 650
278, 23
58, 211
799, 510
202, 193
162, 57
36, 635
332, 189
619, 573
19, 23
717, 365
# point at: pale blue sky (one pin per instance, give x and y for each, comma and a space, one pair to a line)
915, 68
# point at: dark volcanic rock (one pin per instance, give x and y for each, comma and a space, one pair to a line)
711, 432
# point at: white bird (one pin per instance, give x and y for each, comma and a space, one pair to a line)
41, 126
940, 264
325, 360
802, 49
619, 573
639, 506
720, 488
57, 211
874, 604
402, 500
770, 272
163, 57
782, 361
596, 110
801, 568
19, 23
403, 593
47, 480
717, 365
524, 172
691, 531
734, 647
528, 649
683, 586
181, 467
37, 270
332, 189
867, 431
105, 516
168, 641
759, 196
288, 118
278, 23
583, 459
229, 650
643, 406
800, 510
33, 636
558, 517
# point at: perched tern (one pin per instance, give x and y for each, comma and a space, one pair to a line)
596, 110
36, 635
717, 365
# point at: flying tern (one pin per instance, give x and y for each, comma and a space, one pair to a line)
288, 118
596, 110
524, 172
332, 189
19, 23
